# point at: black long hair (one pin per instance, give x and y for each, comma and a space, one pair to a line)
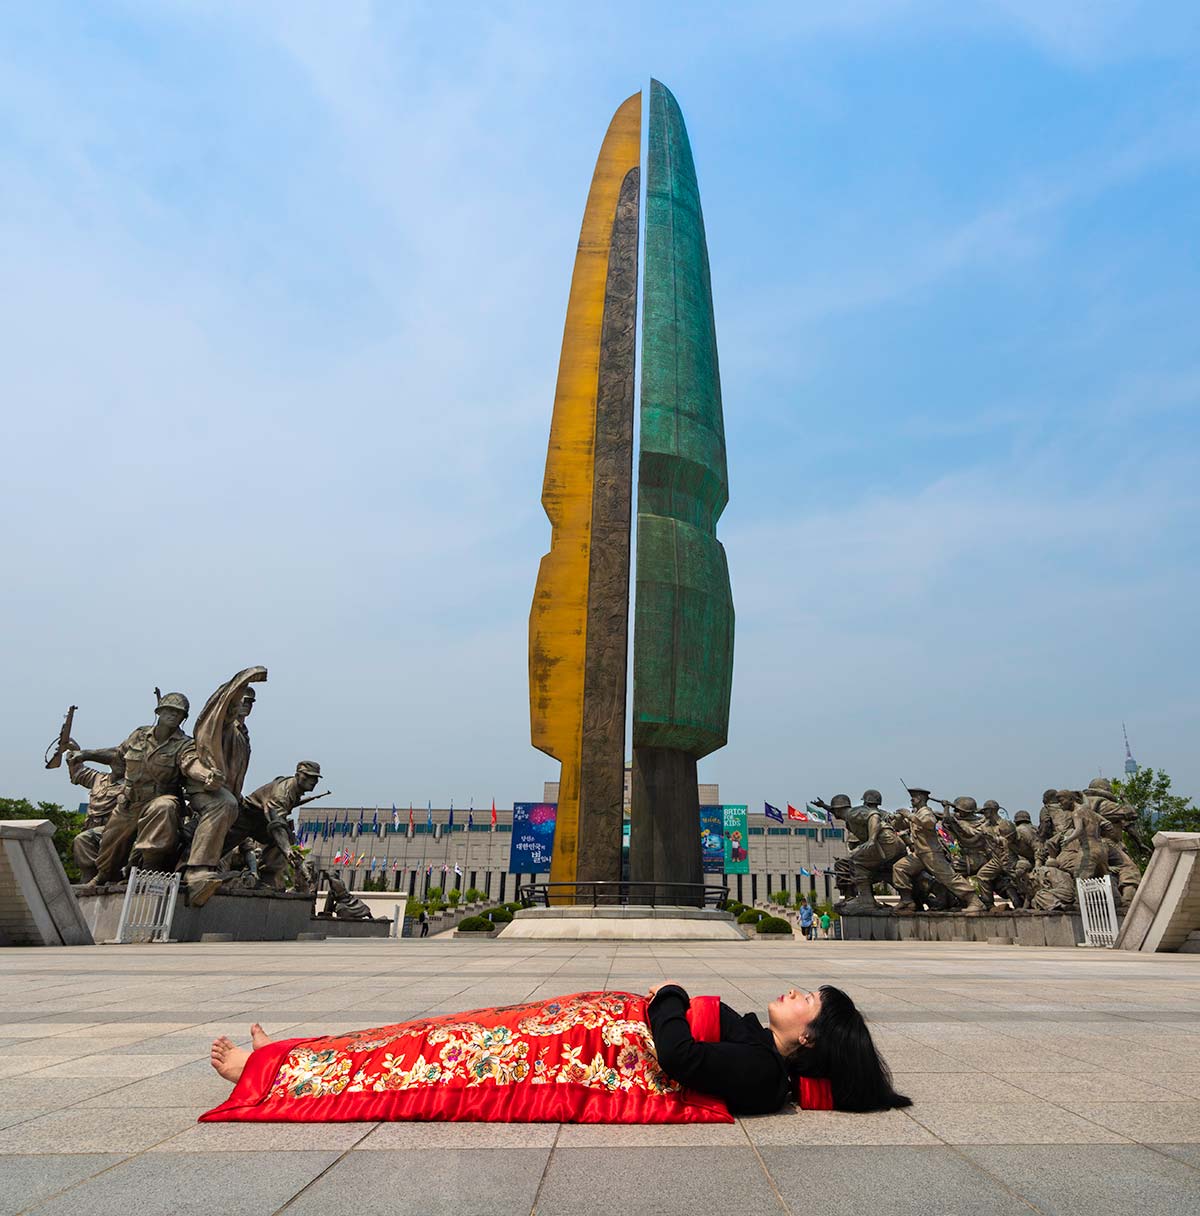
840, 1047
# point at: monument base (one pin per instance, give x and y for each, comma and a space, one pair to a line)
629, 923
1017, 928
246, 916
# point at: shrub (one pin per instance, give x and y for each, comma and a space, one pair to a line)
454, 897
414, 908
475, 924
474, 895
434, 894
512, 906
774, 924
735, 907
782, 898
500, 916
751, 916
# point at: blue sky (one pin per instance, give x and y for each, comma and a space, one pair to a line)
286, 286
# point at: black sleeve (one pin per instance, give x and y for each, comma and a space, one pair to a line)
741, 1074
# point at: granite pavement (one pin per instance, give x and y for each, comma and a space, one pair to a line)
1053, 1081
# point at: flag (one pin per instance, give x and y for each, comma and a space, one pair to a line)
375, 823
411, 826
450, 824
325, 829
470, 820
359, 827
395, 818
428, 871
429, 816
445, 868
372, 867
458, 869
337, 858
493, 814
772, 812
795, 814
815, 812
806, 873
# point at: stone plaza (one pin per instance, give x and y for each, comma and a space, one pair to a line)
1057, 1081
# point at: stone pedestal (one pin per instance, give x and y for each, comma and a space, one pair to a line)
998, 928
248, 916
632, 923
36, 904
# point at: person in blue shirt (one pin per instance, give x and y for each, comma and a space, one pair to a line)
806, 919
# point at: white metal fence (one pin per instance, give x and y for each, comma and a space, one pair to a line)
1098, 910
149, 906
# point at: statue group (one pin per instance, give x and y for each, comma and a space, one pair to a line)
172, 801
962, 857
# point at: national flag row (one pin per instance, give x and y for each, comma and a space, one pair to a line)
810, 814
351, 861
322, 831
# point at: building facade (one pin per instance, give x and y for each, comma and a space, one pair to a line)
360, 844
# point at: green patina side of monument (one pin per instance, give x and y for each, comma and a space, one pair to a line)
683, 616
683, 613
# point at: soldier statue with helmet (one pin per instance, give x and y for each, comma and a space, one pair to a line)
152, 792
877, 850
927, 855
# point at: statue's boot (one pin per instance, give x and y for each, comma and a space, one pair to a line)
860, 905
905, 905
202, 885
975, 907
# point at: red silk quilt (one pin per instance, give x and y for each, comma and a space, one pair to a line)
584, 1058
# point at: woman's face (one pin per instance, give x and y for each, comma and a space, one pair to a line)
793, 1012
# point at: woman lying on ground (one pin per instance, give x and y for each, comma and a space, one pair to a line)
592, 1057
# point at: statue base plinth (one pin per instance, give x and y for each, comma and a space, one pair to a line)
235, 915
623, 923
1018, 928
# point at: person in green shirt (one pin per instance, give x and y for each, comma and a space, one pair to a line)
825, 922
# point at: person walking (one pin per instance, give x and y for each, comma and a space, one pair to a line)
423, 919
825, 923
806, 919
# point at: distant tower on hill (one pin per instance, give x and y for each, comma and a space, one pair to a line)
1131, 765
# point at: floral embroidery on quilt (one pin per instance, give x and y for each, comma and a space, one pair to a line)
473, 1054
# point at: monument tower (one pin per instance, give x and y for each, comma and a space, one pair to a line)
683, 609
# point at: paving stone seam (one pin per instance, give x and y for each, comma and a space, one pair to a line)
762, 1165
317, 1177
537, 1195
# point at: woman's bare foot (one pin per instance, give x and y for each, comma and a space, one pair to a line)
228, 1058
258, 1037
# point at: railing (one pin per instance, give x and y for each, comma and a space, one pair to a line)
1098, 911
149, 906
607, 894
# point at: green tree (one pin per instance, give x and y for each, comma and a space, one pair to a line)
67, 825
1148, 791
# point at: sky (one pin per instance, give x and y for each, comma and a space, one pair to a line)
285, 286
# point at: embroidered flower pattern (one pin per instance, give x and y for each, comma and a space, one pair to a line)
465, 1052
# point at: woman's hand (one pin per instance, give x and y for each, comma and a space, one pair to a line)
654, 988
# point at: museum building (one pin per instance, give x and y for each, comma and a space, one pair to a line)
369, 843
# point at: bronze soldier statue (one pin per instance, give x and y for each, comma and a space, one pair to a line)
104, 792
1027, 845
150, 796
1083, 852
1053, 889
877, 850
962, 820
928, 855
1053, 824
1000, 869
340, 903
1117, 819
213, 764
266, 817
